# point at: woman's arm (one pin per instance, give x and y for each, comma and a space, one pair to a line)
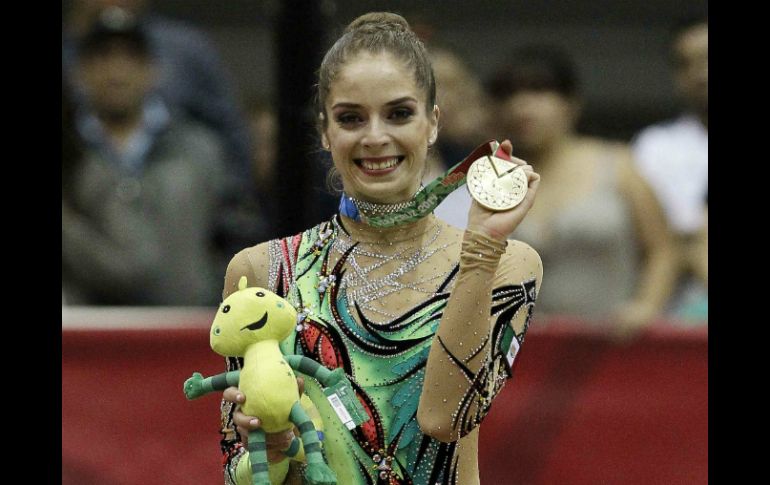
456, 392
463, 365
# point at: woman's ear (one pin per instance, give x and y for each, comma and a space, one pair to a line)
434, 125
324, 139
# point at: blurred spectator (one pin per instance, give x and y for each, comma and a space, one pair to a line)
464, 107
322, 198
263, 126
692, 306
142, 184
463, 125
192, 80
602, 236
673, 157
71, 154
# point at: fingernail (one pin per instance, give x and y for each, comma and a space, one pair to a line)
239, 397
254, 422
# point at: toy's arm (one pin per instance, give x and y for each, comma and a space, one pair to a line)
313, 369
196, 386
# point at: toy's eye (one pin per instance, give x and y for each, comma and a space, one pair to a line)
226, 309
259, 293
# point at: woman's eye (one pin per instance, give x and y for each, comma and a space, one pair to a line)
348, 119
401, 114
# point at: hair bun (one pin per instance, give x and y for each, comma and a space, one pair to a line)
379, 21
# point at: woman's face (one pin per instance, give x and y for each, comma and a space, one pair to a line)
378, 130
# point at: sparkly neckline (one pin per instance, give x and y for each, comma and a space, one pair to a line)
365, 233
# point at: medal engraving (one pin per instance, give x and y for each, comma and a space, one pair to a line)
497, 184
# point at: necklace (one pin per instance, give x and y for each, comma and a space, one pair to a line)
367, 280
370, 209
373, 210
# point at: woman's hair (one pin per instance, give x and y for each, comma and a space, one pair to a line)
536, 68
377, 32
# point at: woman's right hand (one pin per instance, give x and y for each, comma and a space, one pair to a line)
276, 443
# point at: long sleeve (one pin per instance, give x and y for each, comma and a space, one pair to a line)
465, 370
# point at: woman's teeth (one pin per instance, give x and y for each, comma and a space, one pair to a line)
381, 164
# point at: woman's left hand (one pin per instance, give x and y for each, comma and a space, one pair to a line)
500, 225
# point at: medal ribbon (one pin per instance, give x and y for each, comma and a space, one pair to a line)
426, 200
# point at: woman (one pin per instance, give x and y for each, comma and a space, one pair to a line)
420, 315
597, 224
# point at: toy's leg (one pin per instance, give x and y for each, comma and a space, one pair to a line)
313, 369
258, 458
317, 471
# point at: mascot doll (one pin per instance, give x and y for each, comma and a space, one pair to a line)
251, 323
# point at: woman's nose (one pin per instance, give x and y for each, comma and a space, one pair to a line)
376, 134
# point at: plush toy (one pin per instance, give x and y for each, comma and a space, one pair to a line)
250, 323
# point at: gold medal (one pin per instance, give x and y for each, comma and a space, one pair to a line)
497, 184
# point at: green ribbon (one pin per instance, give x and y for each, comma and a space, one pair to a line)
435, 192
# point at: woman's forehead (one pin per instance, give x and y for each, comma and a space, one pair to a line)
373, 79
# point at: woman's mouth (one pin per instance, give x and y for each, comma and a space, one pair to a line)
378, 165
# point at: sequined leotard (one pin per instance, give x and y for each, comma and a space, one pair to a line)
374, 299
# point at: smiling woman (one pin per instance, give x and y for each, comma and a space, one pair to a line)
379, 129
424, 319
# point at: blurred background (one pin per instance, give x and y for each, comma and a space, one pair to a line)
188, 134
620, 49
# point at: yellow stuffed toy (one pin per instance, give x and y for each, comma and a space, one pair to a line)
250, 323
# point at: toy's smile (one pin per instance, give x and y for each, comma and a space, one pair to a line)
256, 325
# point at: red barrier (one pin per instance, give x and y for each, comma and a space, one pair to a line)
580, 410
583, 410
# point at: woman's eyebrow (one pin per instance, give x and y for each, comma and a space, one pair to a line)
346, 105
400, 100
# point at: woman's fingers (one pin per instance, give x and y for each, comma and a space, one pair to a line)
233, 394
521, 163
244, 424
244, 421
507, 146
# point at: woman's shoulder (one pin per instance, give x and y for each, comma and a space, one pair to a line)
251, 262
254, 262
519, 264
